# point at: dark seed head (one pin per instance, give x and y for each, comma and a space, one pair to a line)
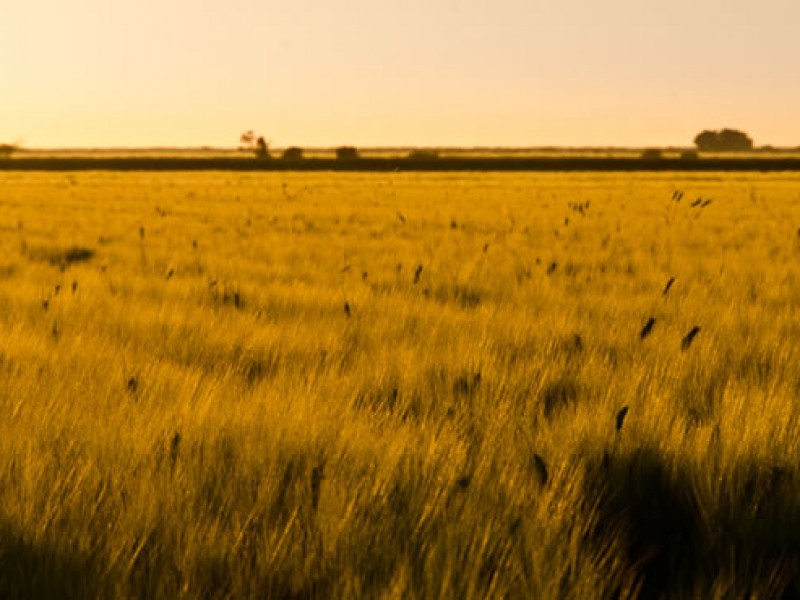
668, 286
174, 447
648, 328
463, 482
347, 311
417, 274
621, 417
689, 338
577, 342
540, 469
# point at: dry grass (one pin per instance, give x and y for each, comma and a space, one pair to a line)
284, 385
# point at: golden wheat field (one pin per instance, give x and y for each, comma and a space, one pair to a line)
218, 385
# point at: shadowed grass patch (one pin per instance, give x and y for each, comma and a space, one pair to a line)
685, 538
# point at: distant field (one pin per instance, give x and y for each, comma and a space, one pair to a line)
339, 385
402, 152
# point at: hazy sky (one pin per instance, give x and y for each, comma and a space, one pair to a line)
405, 72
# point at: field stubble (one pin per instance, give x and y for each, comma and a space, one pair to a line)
341, 385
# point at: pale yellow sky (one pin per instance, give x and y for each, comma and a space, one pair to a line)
407, 72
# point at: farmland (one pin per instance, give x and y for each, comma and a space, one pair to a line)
400, 385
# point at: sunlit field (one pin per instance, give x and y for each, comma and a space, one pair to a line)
324, 385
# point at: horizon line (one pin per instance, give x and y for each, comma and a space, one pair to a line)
548, 147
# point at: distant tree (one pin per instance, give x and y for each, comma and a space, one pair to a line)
262, 148
253, 143
652, 154
247, 139
706, 140
731, 139
6, 150
727, 140
293, 153
346, 153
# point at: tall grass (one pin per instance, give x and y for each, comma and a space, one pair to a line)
189, 411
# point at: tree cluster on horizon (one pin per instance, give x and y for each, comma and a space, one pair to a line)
726, 140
